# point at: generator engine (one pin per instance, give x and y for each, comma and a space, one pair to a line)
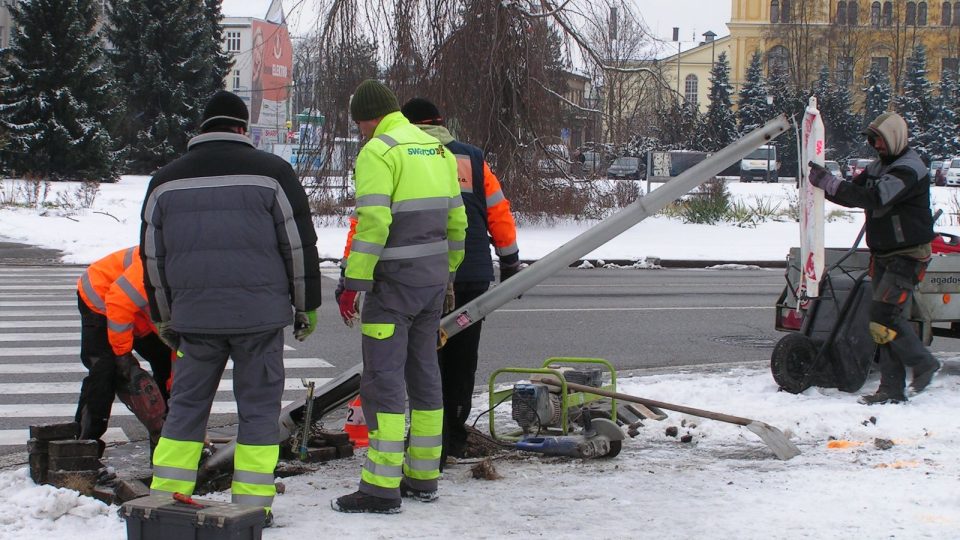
534, 406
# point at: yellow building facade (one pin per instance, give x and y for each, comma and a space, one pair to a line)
848, 36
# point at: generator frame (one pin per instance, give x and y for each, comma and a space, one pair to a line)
567, 399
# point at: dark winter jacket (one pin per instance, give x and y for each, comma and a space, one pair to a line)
488, 212
895, 195
227, 241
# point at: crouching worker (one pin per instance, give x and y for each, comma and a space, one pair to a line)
114, 322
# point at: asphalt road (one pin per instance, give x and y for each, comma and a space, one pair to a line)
635, 319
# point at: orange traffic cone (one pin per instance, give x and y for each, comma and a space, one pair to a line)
356, 425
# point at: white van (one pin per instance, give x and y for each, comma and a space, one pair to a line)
761, 164
557, 160
953, 173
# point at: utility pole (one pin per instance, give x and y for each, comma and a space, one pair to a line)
676, 37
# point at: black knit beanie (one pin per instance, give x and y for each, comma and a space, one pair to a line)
372, 100
224, 109
422, 111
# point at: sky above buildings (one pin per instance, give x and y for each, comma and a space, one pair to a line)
693, 17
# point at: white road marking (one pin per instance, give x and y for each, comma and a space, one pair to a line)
40, 351
40, 312
18, 437
68, 410
38, 287
73, 388
40, 336
77, 367
47, 323
42, 303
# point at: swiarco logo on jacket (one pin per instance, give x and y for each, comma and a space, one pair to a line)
438, 151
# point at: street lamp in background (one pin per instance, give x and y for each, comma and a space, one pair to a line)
676, 37
769, 144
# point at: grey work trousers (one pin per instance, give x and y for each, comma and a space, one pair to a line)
257, 384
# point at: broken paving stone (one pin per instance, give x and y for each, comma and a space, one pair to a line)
671, 431
883, 444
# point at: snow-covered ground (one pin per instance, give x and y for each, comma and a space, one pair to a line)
725, 483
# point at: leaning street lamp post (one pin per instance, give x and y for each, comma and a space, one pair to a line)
769, 105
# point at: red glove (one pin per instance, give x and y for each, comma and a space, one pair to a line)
348, 306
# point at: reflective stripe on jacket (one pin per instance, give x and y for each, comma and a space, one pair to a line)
99, 276
411, 223
128, 311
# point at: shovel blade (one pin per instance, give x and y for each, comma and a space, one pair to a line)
775, 439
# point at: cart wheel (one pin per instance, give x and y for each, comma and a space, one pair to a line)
615, 447
791, 360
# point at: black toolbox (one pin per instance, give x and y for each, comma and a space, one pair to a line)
160, 517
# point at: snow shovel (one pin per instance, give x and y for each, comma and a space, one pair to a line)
773, 437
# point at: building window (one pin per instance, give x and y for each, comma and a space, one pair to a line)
778, 60
881, 64
841, 13
844, 73
888, 13
875, 14
956, 14
774, 11
3, 37
852, 14
922, 14
950, 66
236, 79
785, 11
690, 89
233, 41
911, 18
945, 14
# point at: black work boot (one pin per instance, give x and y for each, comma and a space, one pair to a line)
421, 495
922, 377
882, 397
358, 502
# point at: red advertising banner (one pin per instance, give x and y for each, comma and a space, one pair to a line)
272, 74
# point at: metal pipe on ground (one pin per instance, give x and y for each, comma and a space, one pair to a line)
773, 437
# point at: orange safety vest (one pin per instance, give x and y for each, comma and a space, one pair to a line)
128, 311
94, 283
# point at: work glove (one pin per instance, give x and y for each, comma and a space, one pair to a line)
349, 305
507, 271
304, 323
107, 476
124, 364
449, 299
339, 290
168, 335
822, 178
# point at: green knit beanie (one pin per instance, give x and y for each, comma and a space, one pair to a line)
372, 100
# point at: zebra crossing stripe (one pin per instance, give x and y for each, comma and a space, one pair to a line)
40, 313
41, 336
73, 387
38, 287
67, 323
41, 303
68, 410
18, 437
77, 367
40, 351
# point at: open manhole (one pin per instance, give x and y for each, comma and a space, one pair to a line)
753, 342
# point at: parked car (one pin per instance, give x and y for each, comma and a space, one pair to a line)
855, 166
952, 177
588, 162
625, 167
761, 164
557, 160
940, 175
833, 167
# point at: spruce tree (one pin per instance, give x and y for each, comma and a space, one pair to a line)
876, 94
721, 122
841, 125
753, 110
942, 133
54, 96
166, 68
916, 101
789, 101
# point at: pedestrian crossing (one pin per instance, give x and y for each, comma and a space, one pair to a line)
40, 368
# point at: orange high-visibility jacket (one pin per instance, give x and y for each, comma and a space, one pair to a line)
128, 311
99, 276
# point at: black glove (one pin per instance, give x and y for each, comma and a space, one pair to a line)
822, 178
507, 271
124, 364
